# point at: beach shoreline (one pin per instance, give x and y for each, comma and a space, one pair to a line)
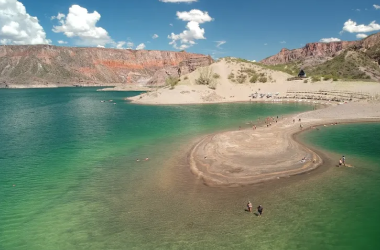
245, 157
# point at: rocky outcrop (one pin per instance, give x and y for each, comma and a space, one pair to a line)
184, 67
319, 51
64, 66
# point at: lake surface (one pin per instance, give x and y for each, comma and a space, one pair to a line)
69, 179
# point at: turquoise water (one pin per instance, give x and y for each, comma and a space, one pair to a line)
69, 179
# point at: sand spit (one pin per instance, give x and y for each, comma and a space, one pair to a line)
126, 88
244, 157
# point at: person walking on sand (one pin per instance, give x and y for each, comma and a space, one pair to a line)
260, 210
340, 162
344, 160
249, 206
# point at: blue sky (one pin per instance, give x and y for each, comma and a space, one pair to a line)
249, 29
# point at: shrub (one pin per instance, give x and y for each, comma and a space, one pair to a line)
263, 79
185, 78
254, 78
205, 78
315, 79
327, 77
305, 81
335, 78
241, 78
231, 76
172, 81
249, 71
216, 76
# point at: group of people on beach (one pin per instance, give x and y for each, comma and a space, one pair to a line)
259, 208
146, 159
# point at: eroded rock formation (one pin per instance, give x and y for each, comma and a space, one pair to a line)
65, 66
318, 51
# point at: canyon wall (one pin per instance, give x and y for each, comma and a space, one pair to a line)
317, 51
48, 65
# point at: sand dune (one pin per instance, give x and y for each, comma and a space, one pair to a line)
187, 91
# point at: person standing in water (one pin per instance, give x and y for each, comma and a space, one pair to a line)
260, 210
249, 206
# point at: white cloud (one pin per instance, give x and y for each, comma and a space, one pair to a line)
62, 42
81, 24
140, 46
193, 32
120, 45
60, 16
18, 27
220, 43
178, 1
352, 27
171, 24
361, 35
283, 42
100, 46
329, 40
376, 6
130, 45
155, 36
195, 16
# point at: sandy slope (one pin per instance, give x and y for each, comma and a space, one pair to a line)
227, 91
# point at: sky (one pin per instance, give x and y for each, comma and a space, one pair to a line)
247, 29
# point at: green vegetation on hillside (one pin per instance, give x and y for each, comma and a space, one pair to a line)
206, 77
172, 81
347, 65
292, 68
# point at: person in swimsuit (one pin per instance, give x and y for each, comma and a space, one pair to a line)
340, 162
249, 206
344, 160
260, 210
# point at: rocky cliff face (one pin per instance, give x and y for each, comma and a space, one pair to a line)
63, 66
184, 67
318, 51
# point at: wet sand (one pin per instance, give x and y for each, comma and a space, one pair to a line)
243, 157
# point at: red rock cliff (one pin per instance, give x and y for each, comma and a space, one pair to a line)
62, 65
316, 50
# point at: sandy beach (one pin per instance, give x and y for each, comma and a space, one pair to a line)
242, 157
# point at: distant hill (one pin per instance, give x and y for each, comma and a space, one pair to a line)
344, 60
46, 65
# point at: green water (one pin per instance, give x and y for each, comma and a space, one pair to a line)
69, 179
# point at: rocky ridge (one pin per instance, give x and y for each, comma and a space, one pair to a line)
318, 51
50, 66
